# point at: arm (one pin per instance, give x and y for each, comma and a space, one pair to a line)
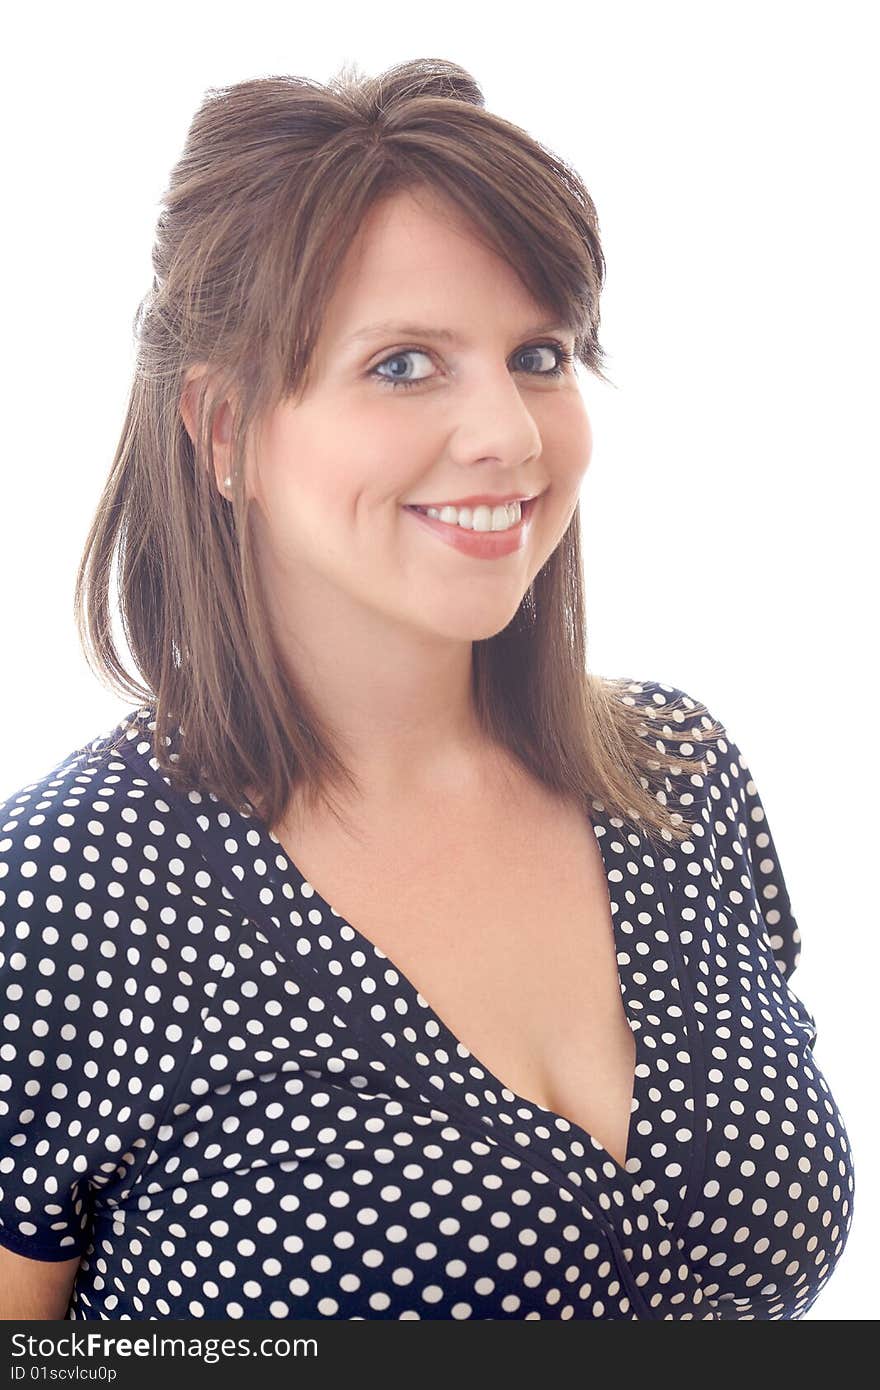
35, 1289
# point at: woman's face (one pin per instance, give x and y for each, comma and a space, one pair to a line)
334, 471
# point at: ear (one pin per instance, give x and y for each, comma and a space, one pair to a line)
221, 434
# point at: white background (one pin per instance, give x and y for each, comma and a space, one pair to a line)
729, 537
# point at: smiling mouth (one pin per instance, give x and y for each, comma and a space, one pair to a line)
434, 514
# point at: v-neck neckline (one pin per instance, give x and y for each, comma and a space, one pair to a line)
272, 861
446, 1039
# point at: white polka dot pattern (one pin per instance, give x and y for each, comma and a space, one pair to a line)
231, 1104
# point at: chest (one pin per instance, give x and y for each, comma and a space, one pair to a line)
499, 915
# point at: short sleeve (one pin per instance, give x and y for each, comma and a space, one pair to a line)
757, 874
46, 1111
741, 851
91, 1042
752, 875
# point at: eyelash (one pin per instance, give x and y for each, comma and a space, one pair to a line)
565, 358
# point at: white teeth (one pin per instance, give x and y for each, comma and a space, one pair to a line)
481, 518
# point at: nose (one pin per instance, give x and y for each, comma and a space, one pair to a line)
495, 423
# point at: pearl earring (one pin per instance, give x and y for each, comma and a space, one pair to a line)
227, 482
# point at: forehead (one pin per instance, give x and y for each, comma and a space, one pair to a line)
411, 221
419, 260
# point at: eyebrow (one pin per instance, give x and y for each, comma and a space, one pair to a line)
423, 330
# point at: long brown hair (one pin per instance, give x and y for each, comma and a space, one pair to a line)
275, 178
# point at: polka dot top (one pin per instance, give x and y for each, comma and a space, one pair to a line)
230, 1104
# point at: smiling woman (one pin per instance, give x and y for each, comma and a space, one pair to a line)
269, 352
384, 962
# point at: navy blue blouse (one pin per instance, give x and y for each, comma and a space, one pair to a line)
231, 1104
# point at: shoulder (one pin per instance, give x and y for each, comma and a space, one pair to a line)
704, 766
692, 740
737, 842
47, 822
660, 702
89, 850
665, 708
59, 836
703, 734
100, 865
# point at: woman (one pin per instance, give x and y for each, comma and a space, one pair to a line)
383, 962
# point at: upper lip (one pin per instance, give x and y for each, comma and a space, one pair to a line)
482, 499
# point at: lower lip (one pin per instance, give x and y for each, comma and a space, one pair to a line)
483, 545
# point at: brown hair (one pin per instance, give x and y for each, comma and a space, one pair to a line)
274, 180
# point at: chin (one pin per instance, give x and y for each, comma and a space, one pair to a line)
471, 626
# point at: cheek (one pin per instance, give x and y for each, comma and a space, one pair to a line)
567, 452
586, 440
321, 516
563, 423
573, 435
305, 476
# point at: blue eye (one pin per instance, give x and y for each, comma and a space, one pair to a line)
563, 358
